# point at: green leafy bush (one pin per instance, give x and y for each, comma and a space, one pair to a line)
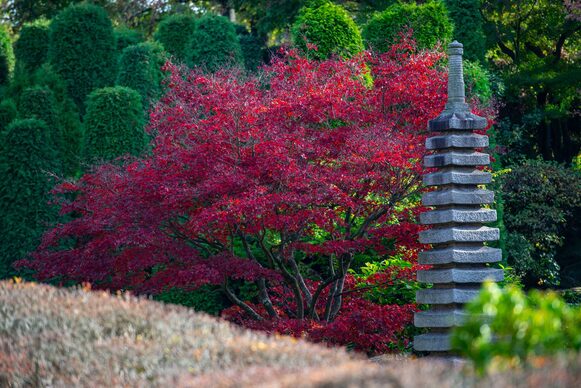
6, 56
477, 81
468, 27
125, 37
140, 69
329, 27
82, 50
113, 124
252, 49
31, 48
214, 44
541, 201
26, 157
8, 113
174, 34
507, 325
429, 21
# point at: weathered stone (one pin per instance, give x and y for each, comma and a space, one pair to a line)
446, 295
458, 196
457, 121
457, 159
460, 254
432, 342
458, 177
459, 234
458, 215
460, 275
457, 141
439, 318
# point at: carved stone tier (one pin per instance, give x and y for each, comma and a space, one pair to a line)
459, 256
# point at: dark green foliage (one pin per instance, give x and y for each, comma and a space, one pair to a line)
214, 44
329, 27
113, 124
25, 158
252, 48
468, 27
209, 299
429, 21
125, 37
8, 113
31, 48
174, 34
38, 103
542, 205
477, 81
6, 56
68, 120
82, 50
140, 69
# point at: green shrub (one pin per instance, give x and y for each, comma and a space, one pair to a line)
26, 157
6, 56
214, 44
208, 299
8, 113
542, 201
174, 34
429, 21
252, 49
505, 324
38, 103
140, 69
31, 48
125, 37
82, 50
329, 27
468, 27
477, 81
113, 124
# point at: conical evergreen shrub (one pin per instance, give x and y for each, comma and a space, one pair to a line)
468, 27
214, 44
26, 159
140, 69
82, 50
125, 37
174, 34
31, 48
114, 124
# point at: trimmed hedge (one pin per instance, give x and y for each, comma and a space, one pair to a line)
25, 157
329, 27
214, 44
82, 50
8, 113
174, 34
31, 48
429, 21
468, 27
140, 69
113, 124
125, 37
6, 56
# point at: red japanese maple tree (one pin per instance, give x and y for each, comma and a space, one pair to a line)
277, 179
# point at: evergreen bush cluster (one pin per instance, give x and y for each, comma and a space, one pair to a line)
82, 50
429, 21
8, 113
329, 27
125, 37
174, 33
31, 48
113, 125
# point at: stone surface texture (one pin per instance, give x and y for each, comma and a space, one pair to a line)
459, 256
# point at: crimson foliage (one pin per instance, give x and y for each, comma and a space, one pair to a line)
278, 180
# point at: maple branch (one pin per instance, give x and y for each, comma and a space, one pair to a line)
312, 308
234, 299
561, 42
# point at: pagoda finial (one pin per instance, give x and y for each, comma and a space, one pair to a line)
456, 96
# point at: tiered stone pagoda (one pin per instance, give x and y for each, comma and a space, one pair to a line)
457, 233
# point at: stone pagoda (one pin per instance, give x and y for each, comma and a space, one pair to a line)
458, 256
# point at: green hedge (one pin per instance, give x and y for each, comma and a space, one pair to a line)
82, 50
329, 27
214, 44
468, 27
6, 56
429, 21
113, 124
25, 158
31, 48
174, 34
140, 69
125, 37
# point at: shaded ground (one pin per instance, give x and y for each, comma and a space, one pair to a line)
56, 337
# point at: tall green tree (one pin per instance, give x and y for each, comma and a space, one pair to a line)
174, 33
468, 27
